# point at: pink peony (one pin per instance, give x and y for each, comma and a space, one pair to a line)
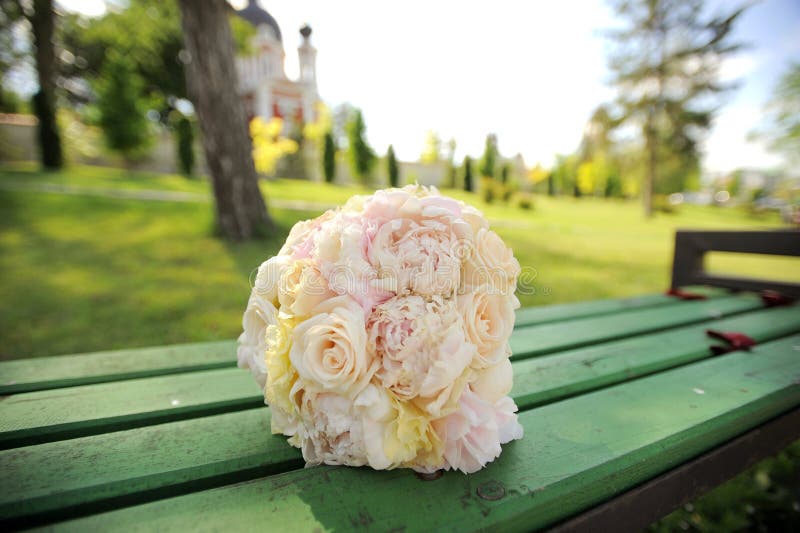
473, 434
424, 354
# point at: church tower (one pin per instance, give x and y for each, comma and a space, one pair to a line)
307, 56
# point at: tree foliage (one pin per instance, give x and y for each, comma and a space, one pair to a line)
782, 130
432, 151
149, 31
391, 167
361, 156
122, 113
489, 158
666, 69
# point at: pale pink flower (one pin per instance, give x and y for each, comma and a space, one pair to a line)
473, 434
340, 252
424, 354
416, 257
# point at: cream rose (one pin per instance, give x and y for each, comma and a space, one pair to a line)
329, 350
268, 278
494, 382
488, 322
304, 287
252, 349
491, 264
290, 281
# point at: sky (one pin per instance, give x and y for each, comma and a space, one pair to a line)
531, 72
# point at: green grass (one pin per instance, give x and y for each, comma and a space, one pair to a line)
83, 273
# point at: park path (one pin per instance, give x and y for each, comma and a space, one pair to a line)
148, 194
182, 196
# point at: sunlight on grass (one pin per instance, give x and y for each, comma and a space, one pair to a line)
778, 268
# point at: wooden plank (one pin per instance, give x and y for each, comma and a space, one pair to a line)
44, 416
576, 453
82, 369
53, 372
35, 417
89, 474
537, 340
552, 377
646, 503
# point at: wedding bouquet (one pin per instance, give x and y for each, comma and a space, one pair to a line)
379, 334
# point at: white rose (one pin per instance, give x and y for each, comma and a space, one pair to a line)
252, 349
329, 350
488, 322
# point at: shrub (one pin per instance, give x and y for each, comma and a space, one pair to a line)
122, 114
467, 174
525, 201
184, 131
391, 164
329, 158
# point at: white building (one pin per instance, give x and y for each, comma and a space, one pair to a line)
265, 89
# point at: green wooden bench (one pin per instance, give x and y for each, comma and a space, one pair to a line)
627, 414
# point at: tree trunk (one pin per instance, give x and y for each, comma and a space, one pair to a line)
212, 84
651, 147
43, 25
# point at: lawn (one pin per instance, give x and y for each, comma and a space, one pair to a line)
82, 273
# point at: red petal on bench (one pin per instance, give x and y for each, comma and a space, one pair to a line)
734, 340
685, 295
774, 298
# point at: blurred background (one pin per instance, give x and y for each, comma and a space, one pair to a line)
586, 131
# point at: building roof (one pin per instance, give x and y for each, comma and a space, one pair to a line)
257, 16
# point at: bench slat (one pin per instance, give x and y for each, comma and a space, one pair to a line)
89, 472
43, 416
43, 373
530, 316
576, 453
551, 377
58, 371
537, 340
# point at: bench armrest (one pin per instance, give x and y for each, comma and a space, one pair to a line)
691, 247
